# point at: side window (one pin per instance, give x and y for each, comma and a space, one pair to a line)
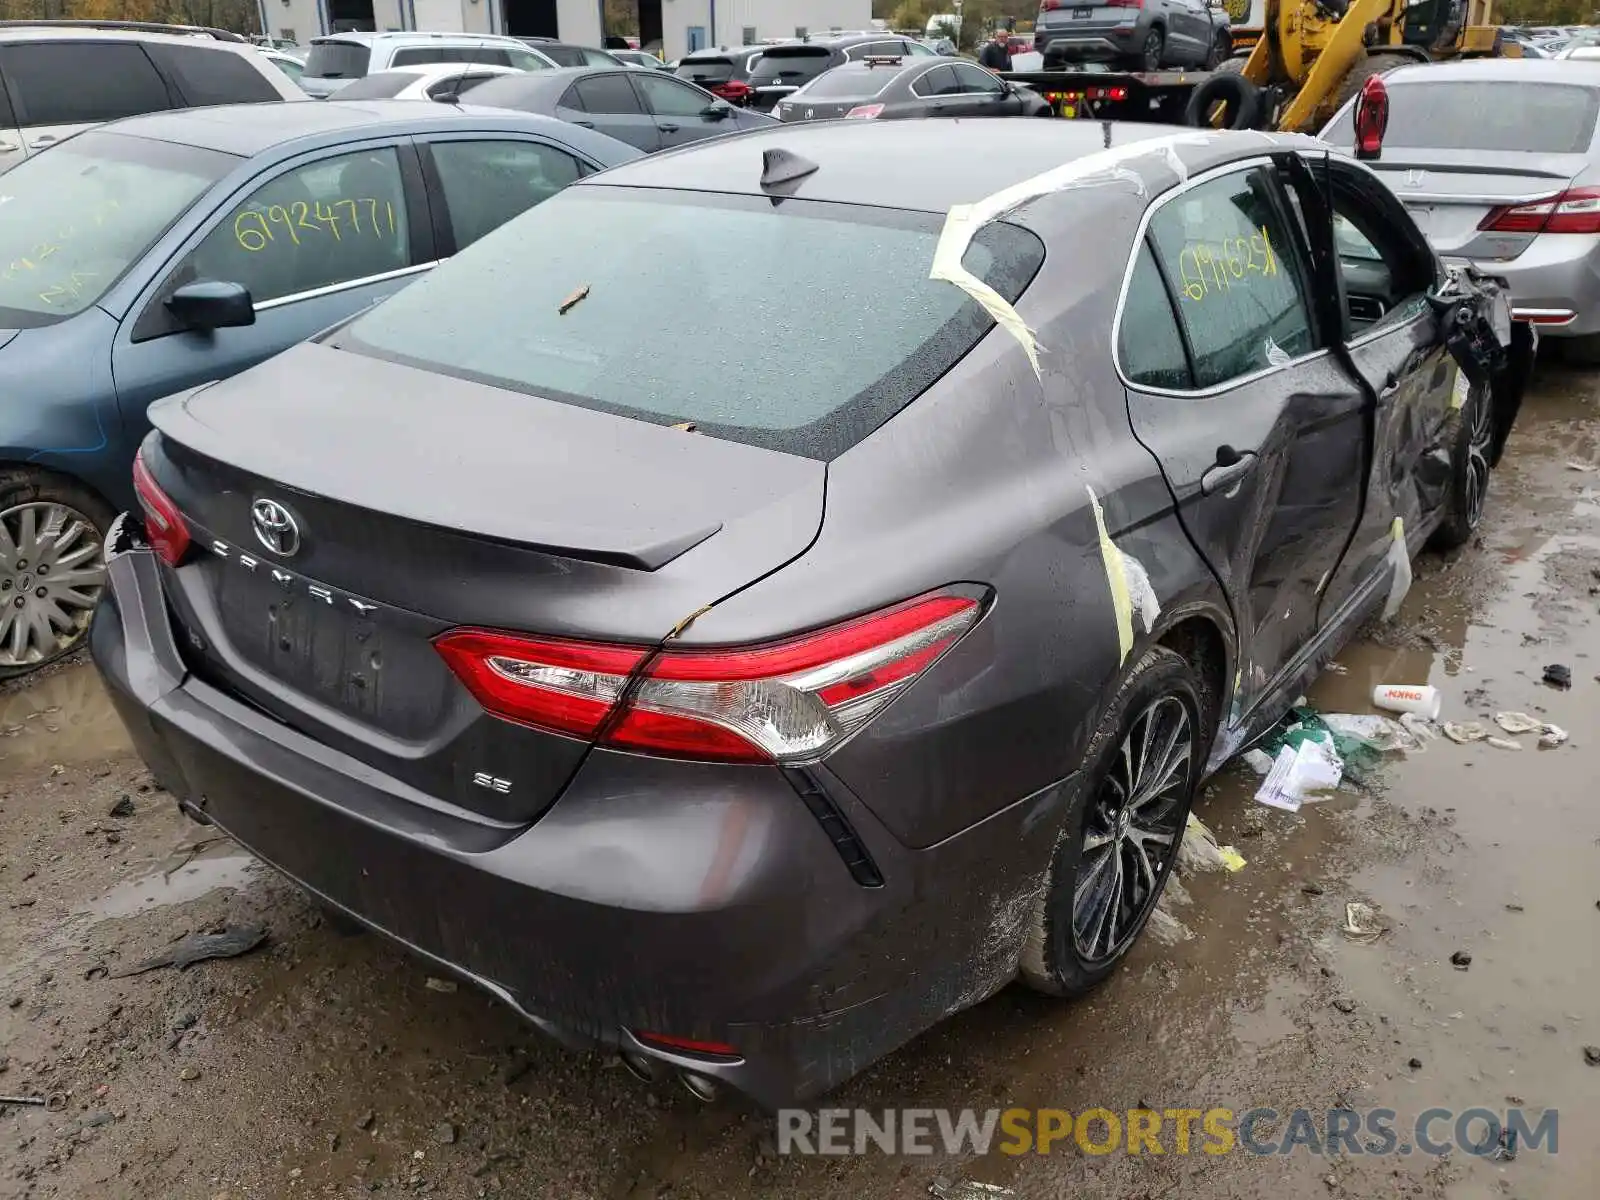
329, 222
1232, 260
667, 98
79, 83
918, 50
975, 80
413, 56
940, 81
1149, 346
207, 76
598, 58
606, 95
487, 183
1384, 275
525, 60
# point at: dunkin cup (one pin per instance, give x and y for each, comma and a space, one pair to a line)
1408, 698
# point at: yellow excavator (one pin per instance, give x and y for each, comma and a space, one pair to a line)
1295, 63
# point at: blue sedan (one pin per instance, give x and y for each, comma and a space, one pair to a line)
162, 252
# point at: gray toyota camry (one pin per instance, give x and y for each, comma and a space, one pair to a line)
772, 595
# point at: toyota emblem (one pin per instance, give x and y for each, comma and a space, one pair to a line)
275, 528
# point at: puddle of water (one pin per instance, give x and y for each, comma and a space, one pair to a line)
221, 865
65, 717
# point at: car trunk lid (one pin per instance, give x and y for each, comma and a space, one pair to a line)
420, 503
1450, 193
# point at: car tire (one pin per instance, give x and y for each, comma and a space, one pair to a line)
1152, 54
1240, 99
1160, 697
59, 525
1470, 473
1220, 53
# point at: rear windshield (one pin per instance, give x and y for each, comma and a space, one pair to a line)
1546, 118
566, 56
788, 67
385, 85
671, 314
336, 60
842, 84
707, 71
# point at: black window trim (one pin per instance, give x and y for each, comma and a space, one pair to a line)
1319, 347
444, 233
153, 321
19, 110
929, 70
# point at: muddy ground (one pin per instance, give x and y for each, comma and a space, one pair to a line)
324, 1063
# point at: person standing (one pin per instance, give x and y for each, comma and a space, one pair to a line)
996, 53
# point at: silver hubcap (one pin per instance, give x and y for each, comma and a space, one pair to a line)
51, 575
1132, 829
1481, 414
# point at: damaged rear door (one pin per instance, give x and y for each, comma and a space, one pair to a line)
1381, 272
1260, 433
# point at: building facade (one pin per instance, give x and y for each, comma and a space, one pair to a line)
684, 24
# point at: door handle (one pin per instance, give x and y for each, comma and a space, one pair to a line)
585, 124
666, 128
44, 139
1231, 466
7, 146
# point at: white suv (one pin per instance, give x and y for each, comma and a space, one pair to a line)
56, 79
341, 58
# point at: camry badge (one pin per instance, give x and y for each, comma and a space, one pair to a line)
275, 528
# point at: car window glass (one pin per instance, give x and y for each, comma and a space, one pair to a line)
525, 60
975, 79
78, 216
1384, 276
76, 83
385, 85
337, 60
213, 76
599, 58
705, 71
918, 50
325, 223
607, 95
487, 183
1450, 115
289, 67
564, 56
794, 378
1233, 264
939, 81
1149, 346
669, 98
777, 69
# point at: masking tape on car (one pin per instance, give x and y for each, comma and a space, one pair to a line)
962, 222
1399, 560
1129, 583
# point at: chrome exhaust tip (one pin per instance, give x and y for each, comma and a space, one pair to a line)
700, 1087
638, 1065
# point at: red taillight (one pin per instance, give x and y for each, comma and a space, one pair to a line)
668, 1041
1052, 5
1372, 117
864, 112
163, 524
1576, 210
788, 701
1123, 3
733, 91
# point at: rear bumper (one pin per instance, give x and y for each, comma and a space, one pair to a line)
698, 901
1554, 283
1087, 45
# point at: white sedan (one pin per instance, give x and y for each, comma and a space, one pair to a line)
444, 82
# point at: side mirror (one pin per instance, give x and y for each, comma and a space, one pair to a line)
1371, 118
212, 304
719, 110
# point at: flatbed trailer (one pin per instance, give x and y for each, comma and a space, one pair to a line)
1107, 95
